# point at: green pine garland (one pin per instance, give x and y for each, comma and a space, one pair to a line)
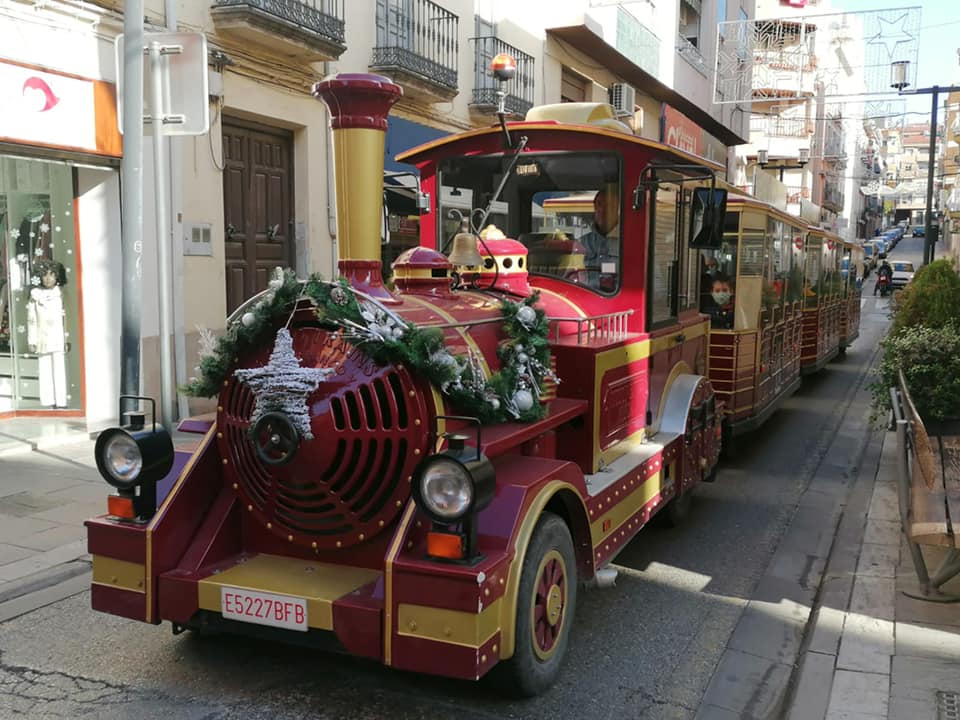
524, 354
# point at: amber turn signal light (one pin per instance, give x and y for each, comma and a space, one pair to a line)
121, 507
445, 545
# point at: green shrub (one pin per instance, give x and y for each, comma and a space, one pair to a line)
930, 358
932, 298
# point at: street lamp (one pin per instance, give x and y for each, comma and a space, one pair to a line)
898, 80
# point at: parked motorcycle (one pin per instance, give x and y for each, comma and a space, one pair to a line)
883, 284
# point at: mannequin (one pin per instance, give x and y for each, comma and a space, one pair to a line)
45, 328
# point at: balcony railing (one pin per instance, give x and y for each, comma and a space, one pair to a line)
418, 42
304, 29
519, 91
796, 193
776, 126
689, 52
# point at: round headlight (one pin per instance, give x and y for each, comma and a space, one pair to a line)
446, 489
122, 458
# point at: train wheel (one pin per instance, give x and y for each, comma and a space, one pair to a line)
676, 512
545, 606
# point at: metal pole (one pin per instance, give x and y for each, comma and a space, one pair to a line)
131, 176
167, 384
928, 224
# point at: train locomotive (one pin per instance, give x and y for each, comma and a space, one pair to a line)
425, 472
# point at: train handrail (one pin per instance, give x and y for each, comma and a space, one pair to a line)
609, 326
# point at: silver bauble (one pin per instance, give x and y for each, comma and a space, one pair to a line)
248, 319
523, 399
527, 316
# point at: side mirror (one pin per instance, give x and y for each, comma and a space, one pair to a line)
707, 213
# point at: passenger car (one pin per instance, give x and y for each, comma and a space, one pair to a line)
902, 273
919, 231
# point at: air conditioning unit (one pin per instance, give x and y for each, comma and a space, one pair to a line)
623, 97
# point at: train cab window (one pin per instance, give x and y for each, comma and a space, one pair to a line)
564, 207
718, 278
750, 275
664, 267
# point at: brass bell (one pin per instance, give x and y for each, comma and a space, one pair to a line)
464, 251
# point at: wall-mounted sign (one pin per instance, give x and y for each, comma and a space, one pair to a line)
680, 131
51, 109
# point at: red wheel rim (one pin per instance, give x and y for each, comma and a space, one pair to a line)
549, 603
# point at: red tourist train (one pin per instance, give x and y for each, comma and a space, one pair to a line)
426, 471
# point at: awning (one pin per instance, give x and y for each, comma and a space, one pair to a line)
588, 42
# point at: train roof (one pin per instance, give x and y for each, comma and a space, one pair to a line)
581, 118
739, 198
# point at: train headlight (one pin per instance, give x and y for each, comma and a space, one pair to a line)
454, 484
446, 489
132, 458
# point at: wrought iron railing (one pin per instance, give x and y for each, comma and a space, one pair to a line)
324, 17
420, 37
689, 52
776, 126
519, 91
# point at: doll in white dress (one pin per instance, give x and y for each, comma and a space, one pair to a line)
45, 332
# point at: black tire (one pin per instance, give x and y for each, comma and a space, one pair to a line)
533, 669
676, 512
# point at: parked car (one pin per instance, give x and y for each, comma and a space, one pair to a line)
919, 231
902, 273
869, 257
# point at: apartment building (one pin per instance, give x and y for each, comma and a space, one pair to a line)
256, 192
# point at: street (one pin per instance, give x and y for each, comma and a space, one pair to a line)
646, 648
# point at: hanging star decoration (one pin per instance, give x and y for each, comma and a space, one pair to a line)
283, 385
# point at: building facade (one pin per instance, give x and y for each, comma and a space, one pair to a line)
257, 191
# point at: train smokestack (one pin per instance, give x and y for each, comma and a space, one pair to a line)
359, 104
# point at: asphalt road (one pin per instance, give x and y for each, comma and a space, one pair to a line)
646, 648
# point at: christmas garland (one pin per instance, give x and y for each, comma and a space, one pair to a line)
510, 394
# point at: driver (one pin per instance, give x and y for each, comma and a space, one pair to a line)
601, 242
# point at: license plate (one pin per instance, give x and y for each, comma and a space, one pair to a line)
262, 608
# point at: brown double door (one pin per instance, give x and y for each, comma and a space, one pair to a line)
257, 206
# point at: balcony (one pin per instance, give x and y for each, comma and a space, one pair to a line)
305, 31
417, 46
519, 91
689, 52
778, 126
833, 196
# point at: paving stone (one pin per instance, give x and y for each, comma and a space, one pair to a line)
50, 538
919, 678
866, 645
41, 561
912, 610
928, 641
883, 532
909, 709
12, 553
857, 692
72, 513
873, 596
812, 694
771, 630
87, 492
24, 504
14, 528
878, 560
747, 684
884, 505
712, 712
827, 629
798, 566
844, 715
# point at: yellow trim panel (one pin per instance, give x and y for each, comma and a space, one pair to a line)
317, 583
618, 514
119, 574
454, 627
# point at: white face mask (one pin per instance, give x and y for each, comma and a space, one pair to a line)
721, 298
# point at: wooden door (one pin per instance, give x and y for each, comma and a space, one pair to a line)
257, 206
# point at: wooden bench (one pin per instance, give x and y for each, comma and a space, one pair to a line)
928, 490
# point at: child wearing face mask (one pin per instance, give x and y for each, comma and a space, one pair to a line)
720, 305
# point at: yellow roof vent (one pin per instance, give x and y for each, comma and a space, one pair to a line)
583, 113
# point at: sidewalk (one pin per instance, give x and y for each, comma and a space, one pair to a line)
870, 651
45, 496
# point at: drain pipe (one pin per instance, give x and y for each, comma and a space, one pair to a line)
331, 190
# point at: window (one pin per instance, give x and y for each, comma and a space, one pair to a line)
662, 287
718, 280
811, 273
564, 207
573, 87
690, 21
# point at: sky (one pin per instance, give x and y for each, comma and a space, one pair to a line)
939, 39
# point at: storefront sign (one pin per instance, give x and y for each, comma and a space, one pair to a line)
54, 110
681, 132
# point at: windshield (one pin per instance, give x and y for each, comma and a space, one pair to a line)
564, 207
902, 266
868, 250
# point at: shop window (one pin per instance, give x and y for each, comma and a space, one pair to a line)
39, 306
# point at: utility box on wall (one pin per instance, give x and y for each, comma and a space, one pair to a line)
196, 239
